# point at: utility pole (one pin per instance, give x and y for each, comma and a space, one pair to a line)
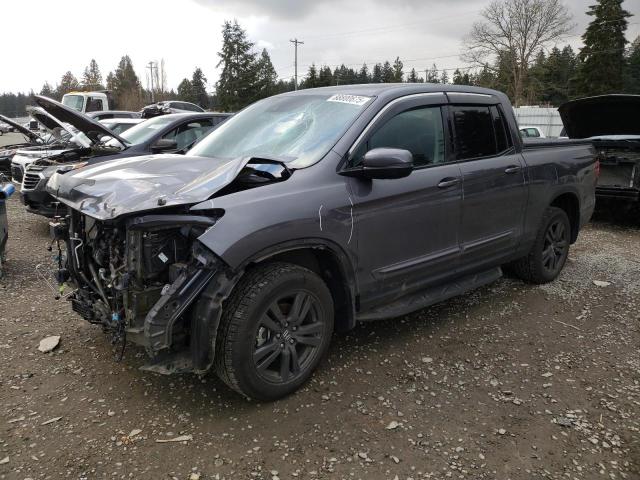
296, 42
151, 65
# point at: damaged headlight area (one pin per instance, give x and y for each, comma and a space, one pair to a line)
137, 277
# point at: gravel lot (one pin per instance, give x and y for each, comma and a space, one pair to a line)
508, 382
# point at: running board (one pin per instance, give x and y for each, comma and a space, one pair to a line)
417, 301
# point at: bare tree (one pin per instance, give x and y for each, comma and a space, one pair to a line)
516, 30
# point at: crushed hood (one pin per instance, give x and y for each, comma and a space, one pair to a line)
33, 136
92, 129
602, 116
108, 190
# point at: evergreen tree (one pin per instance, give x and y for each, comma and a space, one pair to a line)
413, 76
388, 74
602, 61
47, 91
311, 81
632, 78
266, 76
444, 78
376, 74
236, 86
68, 83
199, 89
363, 74
185, 92
398, 74
92, 78
432, 75
485, 77
325, 77
125, 85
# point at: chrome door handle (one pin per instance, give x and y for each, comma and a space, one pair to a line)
448, 182
512, 169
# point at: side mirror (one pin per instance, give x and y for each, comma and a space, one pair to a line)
164, 145
386, 163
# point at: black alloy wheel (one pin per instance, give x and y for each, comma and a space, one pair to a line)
288, 336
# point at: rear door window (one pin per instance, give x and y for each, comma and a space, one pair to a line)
474, 136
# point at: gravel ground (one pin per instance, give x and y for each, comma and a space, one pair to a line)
508, 382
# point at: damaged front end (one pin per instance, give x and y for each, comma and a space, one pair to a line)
138, 278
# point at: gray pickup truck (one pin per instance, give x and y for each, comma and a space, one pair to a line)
307, 212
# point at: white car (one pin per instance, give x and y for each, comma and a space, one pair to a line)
531, 132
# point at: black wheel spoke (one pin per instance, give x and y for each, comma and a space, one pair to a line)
268, 322
300, 308
271, 351
285, 361
309, 340
295, 361
275, 313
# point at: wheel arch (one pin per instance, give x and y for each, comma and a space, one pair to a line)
569, 202
323, 257
328, 261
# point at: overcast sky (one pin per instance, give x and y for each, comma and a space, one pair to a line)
43, 39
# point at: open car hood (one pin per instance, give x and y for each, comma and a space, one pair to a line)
55, 127
33, 136
108, 190
91, 128
601, 116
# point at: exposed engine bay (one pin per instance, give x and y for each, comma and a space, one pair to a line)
139, 276
135, 277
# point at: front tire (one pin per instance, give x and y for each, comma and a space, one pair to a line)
549, 251
275, 329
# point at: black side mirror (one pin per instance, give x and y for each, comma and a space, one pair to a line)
164, 145
386, 163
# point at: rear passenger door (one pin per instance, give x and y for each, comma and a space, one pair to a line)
493, 183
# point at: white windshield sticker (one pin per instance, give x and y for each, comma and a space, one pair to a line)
351, 99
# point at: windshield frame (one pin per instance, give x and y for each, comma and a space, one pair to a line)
299, 161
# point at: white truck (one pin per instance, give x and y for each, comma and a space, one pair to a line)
86, 102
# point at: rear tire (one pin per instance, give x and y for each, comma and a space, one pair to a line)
549, 251
275, 329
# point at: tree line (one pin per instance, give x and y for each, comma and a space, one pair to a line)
500, 52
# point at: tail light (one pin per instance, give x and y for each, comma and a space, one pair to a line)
596, 168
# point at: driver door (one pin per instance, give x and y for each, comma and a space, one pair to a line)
407, 228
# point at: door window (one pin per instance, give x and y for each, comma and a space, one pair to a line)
418, 130
474, 132
503, 138
187, 134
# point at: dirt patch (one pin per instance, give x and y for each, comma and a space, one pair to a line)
510, 381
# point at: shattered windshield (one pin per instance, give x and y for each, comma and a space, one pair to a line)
296, 129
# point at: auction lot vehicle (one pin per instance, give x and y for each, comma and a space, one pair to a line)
172, 106
34, 144
612, 123
531, 132
167, 134
86, 102
309, 211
